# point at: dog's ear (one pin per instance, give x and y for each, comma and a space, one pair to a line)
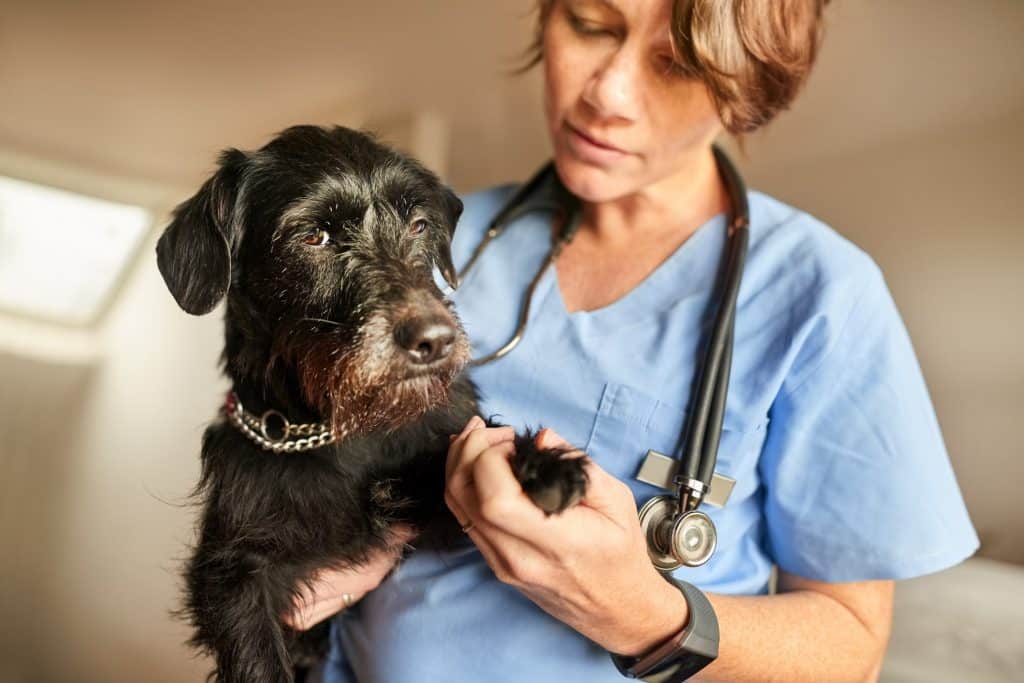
194, 253
452, 211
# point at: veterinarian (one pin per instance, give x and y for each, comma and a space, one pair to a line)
842, 478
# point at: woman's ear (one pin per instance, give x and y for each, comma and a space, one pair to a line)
452, 211
195, 251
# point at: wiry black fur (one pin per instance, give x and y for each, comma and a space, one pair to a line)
310, 331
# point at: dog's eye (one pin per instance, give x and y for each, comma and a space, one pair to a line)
317, 238
418, 226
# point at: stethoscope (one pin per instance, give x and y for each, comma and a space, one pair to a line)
677, 532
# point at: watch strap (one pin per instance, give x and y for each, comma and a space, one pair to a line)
685, 653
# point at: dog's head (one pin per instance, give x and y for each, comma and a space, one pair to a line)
324, 243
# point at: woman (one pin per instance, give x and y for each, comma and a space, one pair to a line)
842, 478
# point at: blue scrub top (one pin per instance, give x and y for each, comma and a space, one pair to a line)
840, 467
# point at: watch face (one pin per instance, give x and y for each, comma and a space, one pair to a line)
678, 665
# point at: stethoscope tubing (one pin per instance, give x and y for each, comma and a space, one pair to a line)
571, 216
515, 204
703, 433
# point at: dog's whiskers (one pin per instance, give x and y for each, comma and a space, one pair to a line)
320, 320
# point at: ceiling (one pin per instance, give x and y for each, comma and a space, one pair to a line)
152, 90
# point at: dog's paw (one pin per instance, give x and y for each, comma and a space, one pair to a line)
554, 483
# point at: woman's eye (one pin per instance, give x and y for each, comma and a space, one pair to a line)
417, 226
317, 238
589, 28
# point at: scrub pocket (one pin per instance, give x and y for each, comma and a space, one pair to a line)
630, 422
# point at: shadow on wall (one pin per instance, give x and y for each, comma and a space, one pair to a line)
41, 406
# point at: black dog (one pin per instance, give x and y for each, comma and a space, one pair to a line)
324, 243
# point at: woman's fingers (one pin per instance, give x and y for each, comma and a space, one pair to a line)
508, 555
464, 450
474, 437
326, 593
455, 447
609, 496
515, 537
503, 502
482, 475
317, 601
549, 438
309, 613
466, 511
461, 492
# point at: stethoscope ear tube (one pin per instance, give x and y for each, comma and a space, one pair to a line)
501, 219
571, 216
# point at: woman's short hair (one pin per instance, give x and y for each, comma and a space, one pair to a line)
753, 55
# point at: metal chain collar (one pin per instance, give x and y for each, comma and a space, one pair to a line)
258, 429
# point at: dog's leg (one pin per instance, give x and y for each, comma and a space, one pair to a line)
233, 602
552, 482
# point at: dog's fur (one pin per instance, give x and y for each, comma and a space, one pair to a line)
323, 331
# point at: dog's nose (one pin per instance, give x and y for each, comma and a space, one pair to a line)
425, 340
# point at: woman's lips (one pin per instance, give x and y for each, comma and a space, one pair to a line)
595, 141
590, 149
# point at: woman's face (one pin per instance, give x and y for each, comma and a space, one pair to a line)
621, 111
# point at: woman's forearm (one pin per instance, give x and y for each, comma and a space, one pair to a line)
797, 636
812, 631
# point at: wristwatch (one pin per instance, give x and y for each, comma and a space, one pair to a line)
685, 653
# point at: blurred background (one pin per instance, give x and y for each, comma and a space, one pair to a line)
907, 139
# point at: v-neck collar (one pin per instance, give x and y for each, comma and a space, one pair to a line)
691, 267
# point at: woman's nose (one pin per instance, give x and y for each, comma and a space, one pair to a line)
613, 89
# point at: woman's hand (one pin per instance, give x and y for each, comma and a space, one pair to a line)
587, 566
331, 586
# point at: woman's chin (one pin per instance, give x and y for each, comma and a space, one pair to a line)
593, 183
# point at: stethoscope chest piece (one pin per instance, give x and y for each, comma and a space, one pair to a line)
673, 539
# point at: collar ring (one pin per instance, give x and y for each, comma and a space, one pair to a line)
266, 427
